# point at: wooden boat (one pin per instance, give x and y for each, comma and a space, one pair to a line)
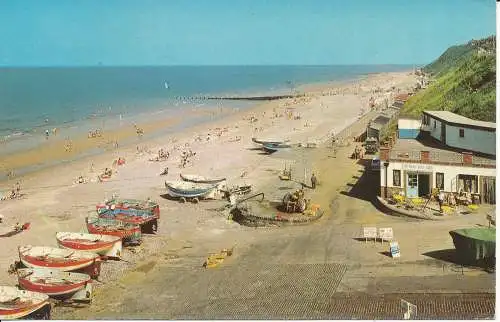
134, 207
61, 285
19, 304
66, 260
106, 245
474, 244
186, 189
129, 233
199, 179
271, 147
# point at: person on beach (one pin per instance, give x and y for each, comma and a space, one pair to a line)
441, 200
47, 134
314, 181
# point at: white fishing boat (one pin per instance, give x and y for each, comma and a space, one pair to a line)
18, 304
106, 245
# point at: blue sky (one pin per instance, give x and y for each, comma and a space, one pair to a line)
236, 32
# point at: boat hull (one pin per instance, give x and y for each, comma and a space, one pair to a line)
474, 244
29, 303
129, 233
196, 192
90, 264
61, 285
105, 245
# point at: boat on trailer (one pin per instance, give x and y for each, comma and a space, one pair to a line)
105, 245
56, 284
66, 260
21, 304
129, 233
200, 179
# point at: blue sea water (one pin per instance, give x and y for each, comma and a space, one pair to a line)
35, 99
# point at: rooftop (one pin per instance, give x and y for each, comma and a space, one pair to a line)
402, 97
409, 150
449, 117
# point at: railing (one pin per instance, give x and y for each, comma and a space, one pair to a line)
439, 157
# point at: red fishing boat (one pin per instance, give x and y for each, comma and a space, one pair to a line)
56, 284
106, 245
19, 304
60, 259
130, 233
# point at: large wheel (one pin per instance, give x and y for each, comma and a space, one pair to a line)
182, 200
195, 200
286, 198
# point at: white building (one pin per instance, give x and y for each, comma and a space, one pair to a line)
414, 167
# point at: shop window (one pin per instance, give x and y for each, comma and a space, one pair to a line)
396, 178
467, 183
461, 133
440, 180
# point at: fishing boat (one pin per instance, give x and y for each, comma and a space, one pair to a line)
474, 244
129, 233
65, 260
14, 230
57, 284
200, 179
133, 207
105, 245
21, 304
271, 147
185, 189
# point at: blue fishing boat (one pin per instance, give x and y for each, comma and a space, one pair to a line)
186, 189
271, 148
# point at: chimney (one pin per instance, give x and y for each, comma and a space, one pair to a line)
384, 153
466, 158
424, 156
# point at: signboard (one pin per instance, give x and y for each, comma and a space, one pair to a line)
385, 234
394, 249
410, 310
417, 167
370, 232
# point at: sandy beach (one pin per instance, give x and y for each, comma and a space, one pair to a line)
52, 202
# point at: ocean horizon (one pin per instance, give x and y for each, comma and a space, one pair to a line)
78, 99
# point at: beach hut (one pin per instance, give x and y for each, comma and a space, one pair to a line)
408, 128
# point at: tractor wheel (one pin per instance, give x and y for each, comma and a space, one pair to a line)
301, 204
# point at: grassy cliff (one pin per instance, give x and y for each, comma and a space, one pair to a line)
463, 82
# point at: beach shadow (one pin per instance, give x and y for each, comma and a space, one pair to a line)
254, 149
366, 187
446, 255
169, 197
364, 240
386, 253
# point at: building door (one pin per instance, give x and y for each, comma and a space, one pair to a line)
423, 185
412, 185
488, 191
443, 133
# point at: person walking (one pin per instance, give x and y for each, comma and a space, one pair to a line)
314, 181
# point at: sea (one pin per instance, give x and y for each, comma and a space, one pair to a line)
77, 99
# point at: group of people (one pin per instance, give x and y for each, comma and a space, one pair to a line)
95, 134
359, 152
15, 193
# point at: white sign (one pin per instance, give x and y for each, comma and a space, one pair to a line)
417, 167
385, 234
370, 232
394, 249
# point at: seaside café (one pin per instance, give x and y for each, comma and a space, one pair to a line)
450, 152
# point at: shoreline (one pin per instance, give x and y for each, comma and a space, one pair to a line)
52, 152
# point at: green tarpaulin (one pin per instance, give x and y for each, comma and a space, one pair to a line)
474, 244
